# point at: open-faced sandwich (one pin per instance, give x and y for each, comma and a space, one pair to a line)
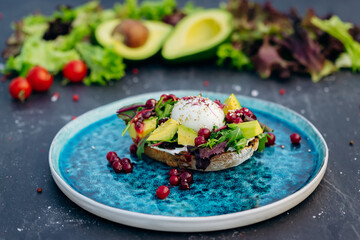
194, 132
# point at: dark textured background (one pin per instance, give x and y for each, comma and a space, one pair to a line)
26, 131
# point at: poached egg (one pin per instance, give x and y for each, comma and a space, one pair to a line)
196, 112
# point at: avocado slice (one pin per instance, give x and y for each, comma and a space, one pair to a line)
231, 103
250, 129
198, 35
149, 126
186, 136
165, 132
158, 32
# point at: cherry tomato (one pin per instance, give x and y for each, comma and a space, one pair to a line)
20, 88
40, 79
75, 71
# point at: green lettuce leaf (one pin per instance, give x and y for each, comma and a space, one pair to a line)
35, 25
68, 42
37, 52
340, 30
151, 10
104, 63
227, 54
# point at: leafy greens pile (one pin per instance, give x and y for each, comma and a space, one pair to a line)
264, 39
53, 41
279, 44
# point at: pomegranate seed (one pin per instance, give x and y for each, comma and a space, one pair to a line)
200, 140
282, 91
188, 157
75, 97
188, 176
139, 126
173, 97
174, 180
231, 117
135, 71
162, 192
295, 138
247, 112
127, 167
114, 159
238, 120
146, 115
125, 160
270, 140
117, 166
150, 103
110, 154
165, 97
161, 121
184, 185
173, 171
204, 132
133, 149
206, 83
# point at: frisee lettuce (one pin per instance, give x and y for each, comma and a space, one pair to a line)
152, 10
104, 63
228, 55
38, 52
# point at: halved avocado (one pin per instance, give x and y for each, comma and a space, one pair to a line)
198, 35
158, 32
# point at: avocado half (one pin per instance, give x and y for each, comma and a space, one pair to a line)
158, 32
198, 35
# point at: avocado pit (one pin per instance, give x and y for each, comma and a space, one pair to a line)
132, 33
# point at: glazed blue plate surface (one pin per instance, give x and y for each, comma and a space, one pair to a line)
78, 158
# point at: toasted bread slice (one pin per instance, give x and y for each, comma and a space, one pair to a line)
217, 162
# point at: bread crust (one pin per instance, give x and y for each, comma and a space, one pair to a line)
217, 162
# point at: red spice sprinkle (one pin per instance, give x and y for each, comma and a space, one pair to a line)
39, 190
1, 15
135, 71
206, 83
282, 91
73, 118
75, 97
3, 78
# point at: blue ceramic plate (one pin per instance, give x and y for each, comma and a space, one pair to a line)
264, 186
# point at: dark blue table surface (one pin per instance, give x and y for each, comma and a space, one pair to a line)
26, 131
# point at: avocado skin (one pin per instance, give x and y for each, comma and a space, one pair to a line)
209, 54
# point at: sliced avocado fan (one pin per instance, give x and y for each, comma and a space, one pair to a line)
158, 32
198, 35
